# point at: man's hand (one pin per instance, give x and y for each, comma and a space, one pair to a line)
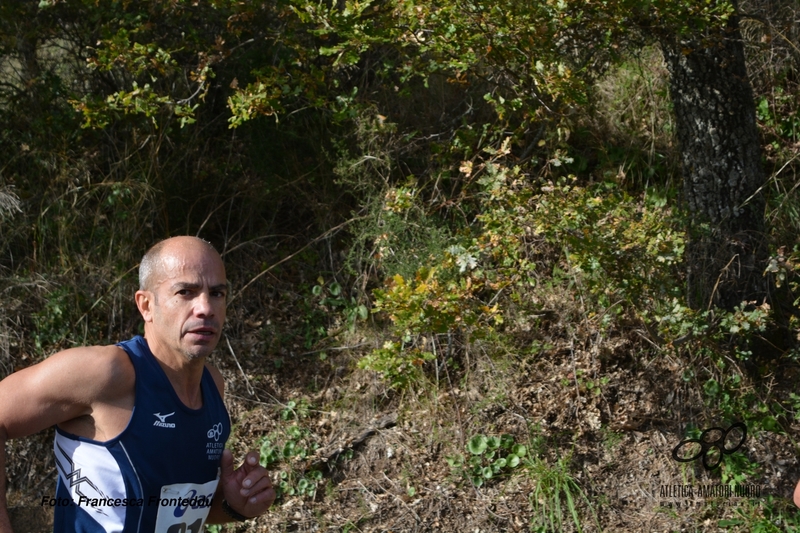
248, 489
796, 496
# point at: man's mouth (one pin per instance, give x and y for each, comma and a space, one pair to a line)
203, 332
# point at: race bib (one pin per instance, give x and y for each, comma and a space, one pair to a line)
184, 507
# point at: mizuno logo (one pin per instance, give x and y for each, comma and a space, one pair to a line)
161, 422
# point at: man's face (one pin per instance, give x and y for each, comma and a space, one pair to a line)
187, 308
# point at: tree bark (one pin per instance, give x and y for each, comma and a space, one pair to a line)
721, 163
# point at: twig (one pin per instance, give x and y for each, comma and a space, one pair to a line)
250, 390
450, 382
646, 338
248, 41
336, 348
290, 256
786, 195
187, 100
327, 458
719, 278
399, 499
276, 402
108, 291
210, 214
251, 241
575, 376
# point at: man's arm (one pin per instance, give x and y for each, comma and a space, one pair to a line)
65, 388
796, 495
5, 522
69, 385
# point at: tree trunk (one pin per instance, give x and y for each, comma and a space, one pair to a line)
721, 164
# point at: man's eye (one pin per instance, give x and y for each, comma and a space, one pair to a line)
183, 292
218, 294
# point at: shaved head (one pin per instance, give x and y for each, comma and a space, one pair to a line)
153, 261
182, 298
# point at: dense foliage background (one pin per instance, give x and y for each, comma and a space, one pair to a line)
438, 211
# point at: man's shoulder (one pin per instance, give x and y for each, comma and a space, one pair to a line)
99, 356
103, 369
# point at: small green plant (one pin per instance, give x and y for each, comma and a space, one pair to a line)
766, 515
556, 495
327, 311
53, 322
295, 448
298, 485
440, 299
295, 409
331, 299
488, 458
736, 468
779, 115
590, 386
398, 367
611, 439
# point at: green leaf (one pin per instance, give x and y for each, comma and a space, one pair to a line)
455, 461
335, 289
477, 444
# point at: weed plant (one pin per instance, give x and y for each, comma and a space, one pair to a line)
489, 458
557, 498
284, 452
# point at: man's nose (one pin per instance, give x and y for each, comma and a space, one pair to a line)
202, 305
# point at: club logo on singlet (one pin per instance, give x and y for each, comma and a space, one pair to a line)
214, 449
162, 420
215, 431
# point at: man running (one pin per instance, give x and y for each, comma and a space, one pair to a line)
141, 426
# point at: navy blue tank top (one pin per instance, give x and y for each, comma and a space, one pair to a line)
157, 476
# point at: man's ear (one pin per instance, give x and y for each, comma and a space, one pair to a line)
145, 300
